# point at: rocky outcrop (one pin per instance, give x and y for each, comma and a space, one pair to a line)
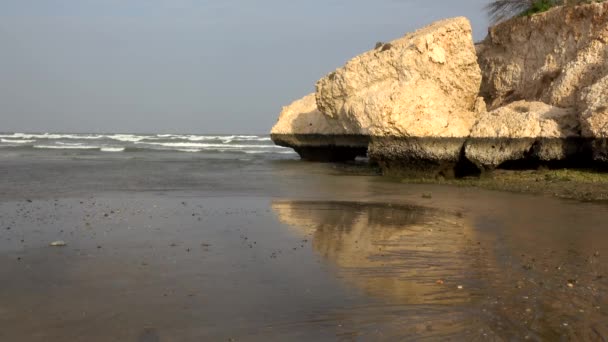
524, 132
548, 57
410, 95
431, 103
315, 136
558, 57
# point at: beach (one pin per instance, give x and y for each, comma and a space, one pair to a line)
198, 239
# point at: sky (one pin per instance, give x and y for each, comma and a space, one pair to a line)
186, 66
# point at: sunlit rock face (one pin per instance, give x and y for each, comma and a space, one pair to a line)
557, 57
315, 136
409, 95
549, 57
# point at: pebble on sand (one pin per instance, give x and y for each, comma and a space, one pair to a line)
58, 243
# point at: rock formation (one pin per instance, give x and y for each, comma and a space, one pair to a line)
523, 132
431, 103
558, 57
314, 136
414, 96
548, 57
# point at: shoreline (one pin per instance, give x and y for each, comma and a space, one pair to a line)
584, 185
580, 184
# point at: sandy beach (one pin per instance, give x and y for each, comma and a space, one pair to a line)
167, 247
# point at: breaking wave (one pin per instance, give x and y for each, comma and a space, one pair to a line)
132, 143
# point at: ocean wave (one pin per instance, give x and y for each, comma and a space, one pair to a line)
272, 152
131, 143
69, 144
223, 138
112, 149
127, 137
12, 141
137, 137
191, 150
67, 147
204, 145
52, 136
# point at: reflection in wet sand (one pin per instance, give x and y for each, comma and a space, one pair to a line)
435, 275
393, 251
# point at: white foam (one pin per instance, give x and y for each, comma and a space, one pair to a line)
200, 145
67, 147
127, 137
52, 136
112, 149
69, 144
224, 138
12, 141
278, 152
191, 150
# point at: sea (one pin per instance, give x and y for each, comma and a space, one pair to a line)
84, 143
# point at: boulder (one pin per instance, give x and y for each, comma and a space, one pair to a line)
414, 96
524, 133
548, 57
314, 136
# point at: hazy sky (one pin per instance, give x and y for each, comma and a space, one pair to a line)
186, 66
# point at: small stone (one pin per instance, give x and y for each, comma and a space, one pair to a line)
460, 287
58, 243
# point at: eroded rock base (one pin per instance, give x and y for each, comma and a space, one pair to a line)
460, 157
330, 153
418, 157
325, 148
430, 158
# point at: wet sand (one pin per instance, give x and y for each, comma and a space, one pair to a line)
164, 248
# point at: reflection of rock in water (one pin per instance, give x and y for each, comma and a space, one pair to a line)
397, 253
392, 251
